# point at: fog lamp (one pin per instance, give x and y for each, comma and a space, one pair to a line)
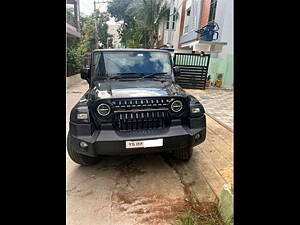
197, 137
83, 144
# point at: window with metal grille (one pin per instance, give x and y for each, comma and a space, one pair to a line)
188, 12
187, 20
212, 11
173, 20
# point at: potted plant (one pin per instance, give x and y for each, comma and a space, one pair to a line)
218, 83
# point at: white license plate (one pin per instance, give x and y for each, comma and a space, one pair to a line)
144, 143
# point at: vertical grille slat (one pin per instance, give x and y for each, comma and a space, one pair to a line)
152, 115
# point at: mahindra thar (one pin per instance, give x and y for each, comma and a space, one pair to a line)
133, 106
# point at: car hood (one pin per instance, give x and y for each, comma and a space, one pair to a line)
135, 88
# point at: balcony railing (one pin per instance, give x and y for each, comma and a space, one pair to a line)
191, 35
186, 29
73, 26
72, 17
71, 20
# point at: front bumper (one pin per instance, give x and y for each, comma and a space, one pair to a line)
111, 142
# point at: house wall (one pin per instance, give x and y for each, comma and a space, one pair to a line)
224, 17
204, 12
113, 30
223, 62
161, 34
182, 16
224, 66
73, 29
187, 19
166, 32
193, 23
179, 4
167, 35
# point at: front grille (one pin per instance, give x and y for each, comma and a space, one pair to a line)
147, 113
141, 120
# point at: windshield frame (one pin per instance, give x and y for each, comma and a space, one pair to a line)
98, 69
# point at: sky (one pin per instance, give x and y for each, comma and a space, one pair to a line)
87, 7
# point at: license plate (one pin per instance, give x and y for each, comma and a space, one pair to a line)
144, 143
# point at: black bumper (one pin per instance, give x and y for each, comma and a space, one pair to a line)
111, 142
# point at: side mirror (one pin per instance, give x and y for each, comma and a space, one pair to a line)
86, 74
176, 71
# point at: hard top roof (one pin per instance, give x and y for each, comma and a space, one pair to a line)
129, 50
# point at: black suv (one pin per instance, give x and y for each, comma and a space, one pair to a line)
132, 106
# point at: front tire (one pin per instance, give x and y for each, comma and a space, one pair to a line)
79, 158
183, 154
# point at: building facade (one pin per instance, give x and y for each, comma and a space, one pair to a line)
73, 21
180, 32
113, 30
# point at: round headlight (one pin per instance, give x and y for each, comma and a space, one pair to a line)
176, 106
103, 109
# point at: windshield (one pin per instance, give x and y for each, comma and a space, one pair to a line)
139, 63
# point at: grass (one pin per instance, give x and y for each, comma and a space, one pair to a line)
205, 213
198, 213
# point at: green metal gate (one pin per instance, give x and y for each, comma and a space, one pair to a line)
193, 70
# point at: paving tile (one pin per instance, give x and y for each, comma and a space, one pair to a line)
217, 103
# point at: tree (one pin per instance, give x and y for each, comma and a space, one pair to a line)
102, 28
83, 19
89, 33
141, 20
149, 14
76, 48
117, 9
73, 56
88, 36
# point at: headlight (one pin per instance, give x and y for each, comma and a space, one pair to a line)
196, 110
80, 114
103, 109
176, 106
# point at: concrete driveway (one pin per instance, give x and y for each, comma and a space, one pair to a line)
145, 189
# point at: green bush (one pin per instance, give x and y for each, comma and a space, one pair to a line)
74, 61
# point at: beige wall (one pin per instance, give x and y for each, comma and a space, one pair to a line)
165, 35
176, 36
163, 32
113, 30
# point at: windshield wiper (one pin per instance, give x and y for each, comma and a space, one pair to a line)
153, 75
156, 75
135, 75
124, 75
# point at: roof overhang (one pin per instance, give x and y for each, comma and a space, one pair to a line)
205, 46
72, 31
129, 50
